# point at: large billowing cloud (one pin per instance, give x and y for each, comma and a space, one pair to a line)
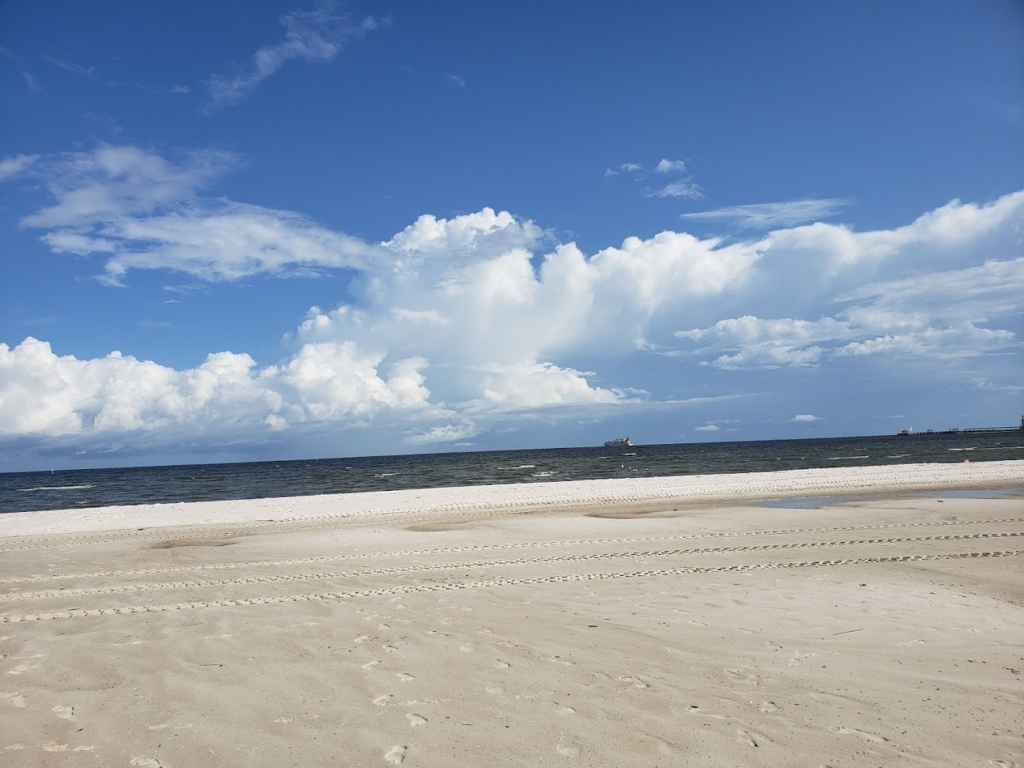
454, 326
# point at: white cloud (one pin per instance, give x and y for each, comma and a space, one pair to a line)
765, 216
10, 167
456, 80
142, 211
670, 166
454, 327
443, 433
960, 341
681, 189
316, 36
532, 385
768, 356
111, 182
708, 428
940, 230
805, 417
42, 393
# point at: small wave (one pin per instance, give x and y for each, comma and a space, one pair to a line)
897, 456
57, 488
521, 466
544, 474
629, 454
843, 458
961, 449
387, 474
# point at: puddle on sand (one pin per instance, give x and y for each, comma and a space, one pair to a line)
813, 502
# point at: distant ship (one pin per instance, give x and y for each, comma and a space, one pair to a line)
960, 431
618, 442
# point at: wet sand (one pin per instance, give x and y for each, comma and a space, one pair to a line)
661, 622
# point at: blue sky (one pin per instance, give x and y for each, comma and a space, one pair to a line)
241, 230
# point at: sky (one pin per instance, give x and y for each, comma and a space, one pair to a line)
238, 231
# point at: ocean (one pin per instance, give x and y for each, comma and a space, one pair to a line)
27, 491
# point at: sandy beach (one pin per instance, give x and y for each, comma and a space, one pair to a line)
870, 616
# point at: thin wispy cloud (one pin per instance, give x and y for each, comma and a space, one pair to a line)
28, 77
91, 73
10, 167
315, 37
105, 120
765, 216
455, 80
682, 189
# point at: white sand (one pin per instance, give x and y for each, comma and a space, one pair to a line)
662, 622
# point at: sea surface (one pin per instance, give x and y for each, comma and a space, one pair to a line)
64, 489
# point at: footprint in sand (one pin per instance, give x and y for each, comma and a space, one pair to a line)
499, 664
743, 675
390, 648
416, 720
370, 665
362, 639
495, 690
65, 713
383, 701
636, 681
565, 710
798, 658
15, 698
396, 755
466, 649
560, 660
753, 739
145, 762
53, 746
769, 706
569, 750
405, 677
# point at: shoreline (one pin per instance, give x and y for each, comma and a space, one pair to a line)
687, 490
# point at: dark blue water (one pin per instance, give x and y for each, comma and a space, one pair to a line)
24, 491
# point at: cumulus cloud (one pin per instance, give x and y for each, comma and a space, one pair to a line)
765, 216
941, 314
670, 166
315, 37
708, 428
45, 394
805, 417
456, 326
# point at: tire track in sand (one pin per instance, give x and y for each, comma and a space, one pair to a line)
123, 588
210, 535
482, 584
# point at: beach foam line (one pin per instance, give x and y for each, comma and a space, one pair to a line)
573, 493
